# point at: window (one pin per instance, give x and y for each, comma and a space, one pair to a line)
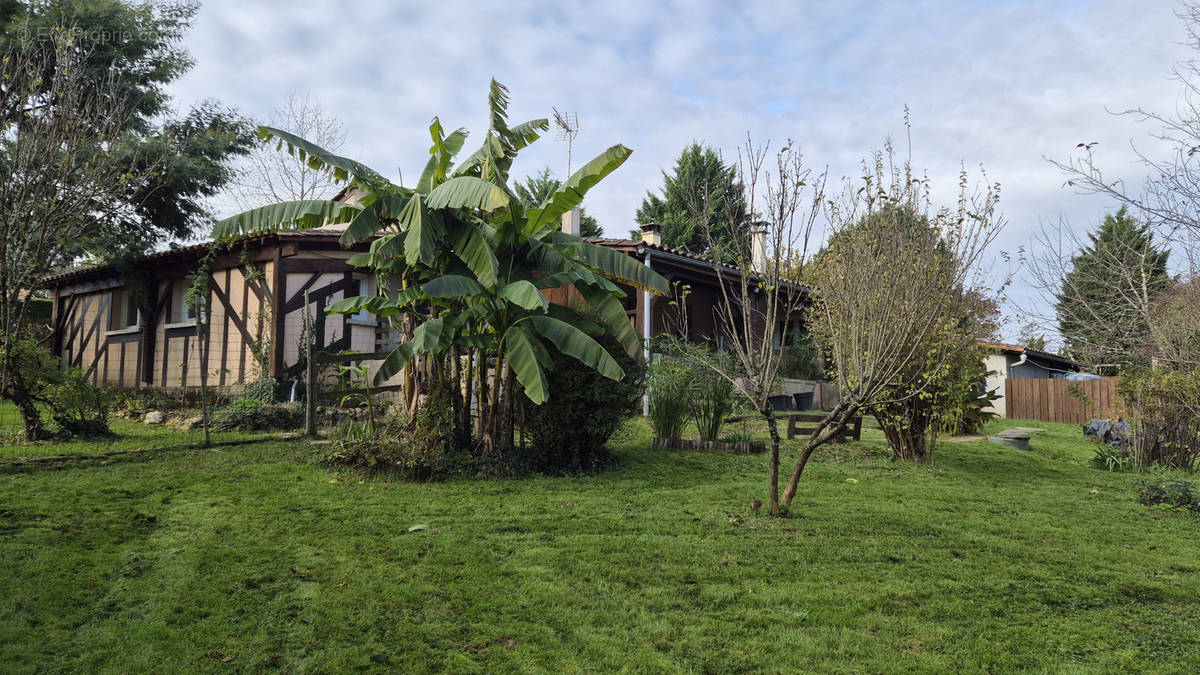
789, 333
124, 314
181, 312
360, 285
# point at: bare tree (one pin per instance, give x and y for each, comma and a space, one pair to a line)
268, 176
764, 285
889, 296
59, 132
1169, 199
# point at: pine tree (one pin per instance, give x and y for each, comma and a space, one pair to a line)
1105, 300
698, 185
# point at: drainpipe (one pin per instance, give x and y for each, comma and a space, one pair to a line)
646, 337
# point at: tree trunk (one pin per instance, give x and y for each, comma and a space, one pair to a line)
827, 430
18, 392
773, 462
908, 444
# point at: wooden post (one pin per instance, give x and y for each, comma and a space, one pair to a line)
310, 375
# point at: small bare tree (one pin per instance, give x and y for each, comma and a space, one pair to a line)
59, 129
890, 297
876, 302
268, 176
764, 285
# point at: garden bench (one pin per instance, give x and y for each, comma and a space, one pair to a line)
853, 428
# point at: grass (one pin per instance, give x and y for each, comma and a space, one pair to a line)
128, 435
252, 557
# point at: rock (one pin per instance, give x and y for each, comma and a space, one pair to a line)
155, 417
187, 423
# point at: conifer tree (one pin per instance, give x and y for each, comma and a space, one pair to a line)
1105, 300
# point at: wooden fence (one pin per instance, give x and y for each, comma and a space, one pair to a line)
1060, 400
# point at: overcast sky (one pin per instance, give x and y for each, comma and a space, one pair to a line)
998, 84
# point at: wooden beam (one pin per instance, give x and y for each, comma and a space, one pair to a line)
278, 279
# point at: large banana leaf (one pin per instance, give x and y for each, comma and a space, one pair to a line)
428, 338
442, 153
609, 310
468, 192
316, 157
372, 218
452, 286
472, 248
574, 342
424, 231
521, 352
613, 264
527, 132
523, 294
298, 215
571, 193
374, 304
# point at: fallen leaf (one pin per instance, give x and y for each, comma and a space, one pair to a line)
416, 528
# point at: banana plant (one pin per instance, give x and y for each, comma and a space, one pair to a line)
463, 266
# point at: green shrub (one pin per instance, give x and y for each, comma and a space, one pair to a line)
800, 361
1112, 458
569, 431
712, 399
670, 382
249, 414
79, 407
1163, 408
1177, 493
262, 389
420, 448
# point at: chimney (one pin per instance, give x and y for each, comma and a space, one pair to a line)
652, 234
758, 247
570, 221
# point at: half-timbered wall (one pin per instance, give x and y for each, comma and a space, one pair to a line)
159, 348
326, 278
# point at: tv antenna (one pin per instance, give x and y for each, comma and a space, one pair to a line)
568, 129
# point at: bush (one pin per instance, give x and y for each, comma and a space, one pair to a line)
420, 448
250, 414
1177, 493
79, 407
1112, 458
1164, 413
262, 389
670, 382
569, 431
711, 400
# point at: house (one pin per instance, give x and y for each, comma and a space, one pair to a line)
133, 328
1005, 361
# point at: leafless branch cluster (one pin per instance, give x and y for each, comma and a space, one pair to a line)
886, 290
269, 177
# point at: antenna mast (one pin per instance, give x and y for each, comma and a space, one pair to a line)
568, 129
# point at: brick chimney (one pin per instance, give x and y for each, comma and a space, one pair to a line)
652, 234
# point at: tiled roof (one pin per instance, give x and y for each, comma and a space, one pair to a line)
1018, 349
329, 232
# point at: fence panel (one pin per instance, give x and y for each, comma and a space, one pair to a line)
1060, 400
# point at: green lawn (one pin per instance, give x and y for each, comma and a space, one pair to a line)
250, 556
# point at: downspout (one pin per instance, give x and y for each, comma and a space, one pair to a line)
646, 337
